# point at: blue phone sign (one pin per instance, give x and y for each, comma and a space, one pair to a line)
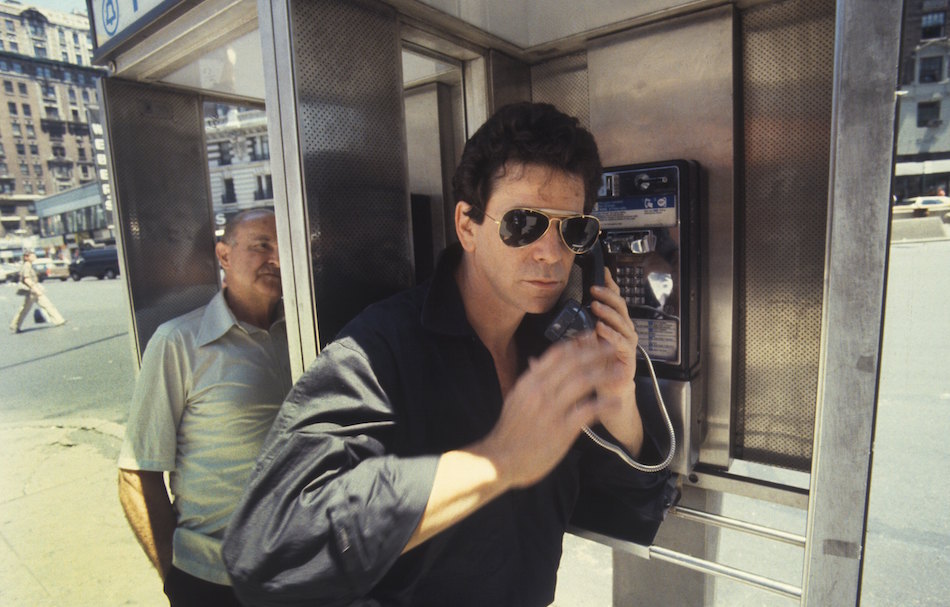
110, 16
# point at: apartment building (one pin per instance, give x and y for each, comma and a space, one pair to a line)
48, 90
923, 140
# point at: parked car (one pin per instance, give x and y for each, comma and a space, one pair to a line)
46, 267
101, 263
11, 272
926, 203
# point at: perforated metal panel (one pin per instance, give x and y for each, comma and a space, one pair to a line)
352, 145
162, 202
787, 69
563, 83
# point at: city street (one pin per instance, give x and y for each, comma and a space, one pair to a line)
64, 541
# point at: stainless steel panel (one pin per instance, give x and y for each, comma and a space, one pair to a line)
432, 126
163, 205
509, 80
866, 55
291, 213
563, 83
426, 176
667, 91
352, 151
683, 403
787, 63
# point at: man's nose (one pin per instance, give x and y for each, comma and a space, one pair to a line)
549, 247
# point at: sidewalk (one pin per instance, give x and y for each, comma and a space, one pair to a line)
64, 541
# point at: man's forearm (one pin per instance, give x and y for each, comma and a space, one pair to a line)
465, 480
626, 425
145, 502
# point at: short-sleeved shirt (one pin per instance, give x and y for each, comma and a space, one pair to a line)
208, 391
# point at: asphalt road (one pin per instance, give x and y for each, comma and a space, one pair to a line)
85, 370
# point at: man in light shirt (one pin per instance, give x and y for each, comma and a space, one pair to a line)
210, 385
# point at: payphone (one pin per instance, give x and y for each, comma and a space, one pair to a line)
649, 216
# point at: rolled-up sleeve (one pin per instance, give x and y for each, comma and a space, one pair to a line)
329, 507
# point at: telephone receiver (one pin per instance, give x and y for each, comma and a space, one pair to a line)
573, 314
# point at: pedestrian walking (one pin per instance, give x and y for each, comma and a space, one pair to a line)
33, 292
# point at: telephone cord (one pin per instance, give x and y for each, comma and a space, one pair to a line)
619, 451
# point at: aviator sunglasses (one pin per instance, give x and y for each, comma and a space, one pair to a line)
521, 227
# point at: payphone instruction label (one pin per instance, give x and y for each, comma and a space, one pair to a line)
659, 337
637, 212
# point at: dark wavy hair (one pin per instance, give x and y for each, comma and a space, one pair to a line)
525, 133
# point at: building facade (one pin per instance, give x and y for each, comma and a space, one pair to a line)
48, 90
923, 140
238, 159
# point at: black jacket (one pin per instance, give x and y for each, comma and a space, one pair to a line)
346, 473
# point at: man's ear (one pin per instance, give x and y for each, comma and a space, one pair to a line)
464, 226
223, 251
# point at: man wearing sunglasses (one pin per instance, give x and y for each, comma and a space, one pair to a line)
431, 455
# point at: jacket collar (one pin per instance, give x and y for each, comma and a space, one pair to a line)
442, 309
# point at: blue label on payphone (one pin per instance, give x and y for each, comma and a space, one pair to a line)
638, 211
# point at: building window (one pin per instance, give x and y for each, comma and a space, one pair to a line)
24, 169
81, 153
931, 69
49, 91
224, 153
928, 114
41, 189
265, 188
21, 86
28, 188
65, 56
14, 47
27, 110
36, 28
931, 25
16, 128
12, 107
229, 195
260, 148
52, 112
30, 131
75, 38
8, 86
85, 95
34, 149
39, 50
72, 95
38, 169
3, 168
20, 149
10, 26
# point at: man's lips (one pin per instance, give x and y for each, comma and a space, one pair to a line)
544, 283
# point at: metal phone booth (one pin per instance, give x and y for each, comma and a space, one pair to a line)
786, 108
